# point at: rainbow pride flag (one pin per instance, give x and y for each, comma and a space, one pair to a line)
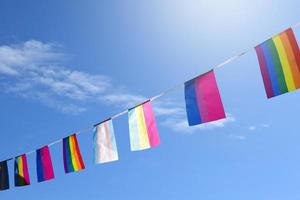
21, 171
44, 164
202, 99
71, 154
4, 177
142, 127
279, 60
105, 147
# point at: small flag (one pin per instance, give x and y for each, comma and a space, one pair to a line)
279, 60
21, 171
142, 127
4, 178
105, 147
71, 154
202, 99
44, 164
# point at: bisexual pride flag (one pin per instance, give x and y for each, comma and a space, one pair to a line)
44, 164
202, 99
279, 60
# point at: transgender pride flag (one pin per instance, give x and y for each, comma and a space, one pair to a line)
202, 99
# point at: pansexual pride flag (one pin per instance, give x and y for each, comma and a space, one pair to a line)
4, 178
71, 154
142, 127
202, 99
21, 171
44, 164
105, 147
279, 60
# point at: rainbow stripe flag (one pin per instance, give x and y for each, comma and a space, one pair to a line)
105, 147
142, 127
4, 177
279, 60
202, 99
21, 171
71, 154
44, 164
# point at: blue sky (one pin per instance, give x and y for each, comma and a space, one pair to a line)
65, 65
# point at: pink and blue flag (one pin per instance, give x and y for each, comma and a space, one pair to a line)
44, 164
203, 100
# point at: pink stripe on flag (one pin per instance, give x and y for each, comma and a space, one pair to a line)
25, 169
151, 125
47, 163
209, 99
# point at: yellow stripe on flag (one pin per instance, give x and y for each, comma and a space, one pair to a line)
73, 152
143, 134
284, 63
20, 166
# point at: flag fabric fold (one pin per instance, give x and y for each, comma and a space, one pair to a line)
203, 100
105, 147
4, 177
71, 155
44, 164
142, 127
21, 171
279, 61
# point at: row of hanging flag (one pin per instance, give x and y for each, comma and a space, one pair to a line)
279, 60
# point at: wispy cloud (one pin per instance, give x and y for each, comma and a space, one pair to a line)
237, 137
257, 127
36, 70
252, 128
181, 124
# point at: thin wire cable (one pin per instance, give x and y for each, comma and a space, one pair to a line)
171, 89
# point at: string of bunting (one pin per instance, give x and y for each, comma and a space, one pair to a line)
279, 61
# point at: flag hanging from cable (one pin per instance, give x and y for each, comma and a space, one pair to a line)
21, 171
105, 147
44, 164
142, 127
279, 61
203, 100
4, 177
71, 154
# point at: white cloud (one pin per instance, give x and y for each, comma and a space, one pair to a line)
180, 124
123, 99
264, 125
237, 137
258, 127
35, 70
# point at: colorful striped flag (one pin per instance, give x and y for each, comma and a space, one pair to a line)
105, 147
279, 60
44, 164
202, 99
71, 154
142, 127
4, 178
21, 171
